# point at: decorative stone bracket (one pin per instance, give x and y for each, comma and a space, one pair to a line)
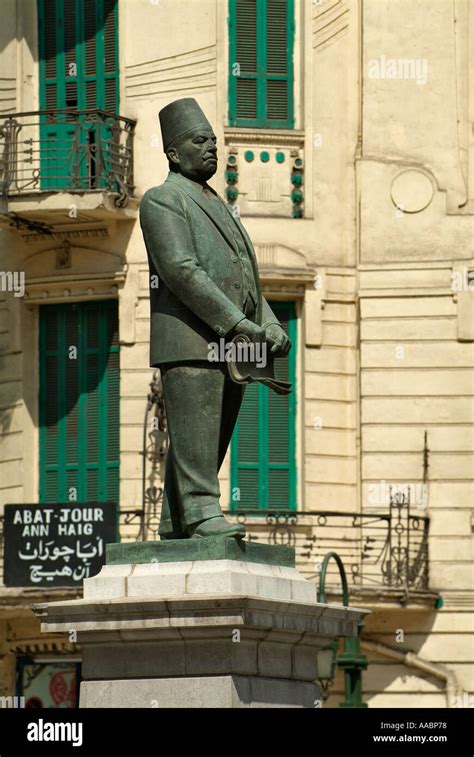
265, 172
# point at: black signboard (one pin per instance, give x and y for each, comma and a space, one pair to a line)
56, 544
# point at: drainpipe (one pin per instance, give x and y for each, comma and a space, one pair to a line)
411, 660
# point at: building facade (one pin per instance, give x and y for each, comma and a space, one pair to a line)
346, 144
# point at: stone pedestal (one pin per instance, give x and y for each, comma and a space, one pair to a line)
199, 623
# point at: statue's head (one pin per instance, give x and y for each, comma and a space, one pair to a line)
188, 140
195, 155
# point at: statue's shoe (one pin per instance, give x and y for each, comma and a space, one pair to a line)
217, 526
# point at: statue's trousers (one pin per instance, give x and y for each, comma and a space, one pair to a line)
202, 404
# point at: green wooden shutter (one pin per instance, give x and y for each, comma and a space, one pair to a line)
71, 22
263, 465
79, 402
278, 33
50, 44
246, 443
90, 56
100, 54
261, 38
245, 46
84, 33
110, 55
81, 34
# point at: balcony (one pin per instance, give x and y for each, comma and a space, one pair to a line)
65, 167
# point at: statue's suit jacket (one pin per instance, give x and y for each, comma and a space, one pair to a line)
200, 287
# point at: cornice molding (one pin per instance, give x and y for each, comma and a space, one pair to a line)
280, 137
69, 287
59, 235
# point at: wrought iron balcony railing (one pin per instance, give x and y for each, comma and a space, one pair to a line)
385, 550
66, 151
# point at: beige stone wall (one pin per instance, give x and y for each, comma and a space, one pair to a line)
416, 353
385, 339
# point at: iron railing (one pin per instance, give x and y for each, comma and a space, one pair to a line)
388, 549
66, 151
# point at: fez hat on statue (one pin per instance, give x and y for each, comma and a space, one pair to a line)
180, 118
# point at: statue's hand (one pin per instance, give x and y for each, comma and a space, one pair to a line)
250, 329
278, 340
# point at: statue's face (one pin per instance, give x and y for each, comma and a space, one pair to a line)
196, 155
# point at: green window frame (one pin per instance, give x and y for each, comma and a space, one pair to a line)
79, 397
261, 77
263, 446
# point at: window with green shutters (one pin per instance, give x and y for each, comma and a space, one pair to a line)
263, 465
79, 402
261, 38
78, 69
78, 54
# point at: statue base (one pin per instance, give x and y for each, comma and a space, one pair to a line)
220, 628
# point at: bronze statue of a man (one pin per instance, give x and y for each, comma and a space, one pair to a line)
204, 286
